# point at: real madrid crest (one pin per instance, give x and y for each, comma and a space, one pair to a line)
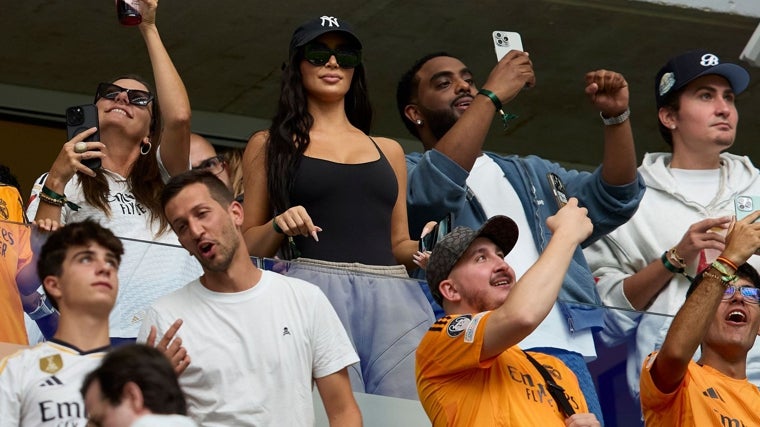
51, 364
458, 325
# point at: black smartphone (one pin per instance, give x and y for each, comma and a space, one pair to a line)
79, 118
558, 189
442, 228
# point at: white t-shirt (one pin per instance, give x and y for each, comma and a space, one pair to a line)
497, 197
40, 386
152, 266
254, 353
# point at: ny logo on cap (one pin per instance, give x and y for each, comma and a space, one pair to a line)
709, 60
329, 20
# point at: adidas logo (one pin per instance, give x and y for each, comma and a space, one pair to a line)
713, 394
51, 381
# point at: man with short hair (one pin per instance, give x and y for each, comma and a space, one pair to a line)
135, 386
470, 369
258, 339
440, 104
39, 386
721, 315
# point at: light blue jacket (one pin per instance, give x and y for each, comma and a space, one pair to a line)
437, 186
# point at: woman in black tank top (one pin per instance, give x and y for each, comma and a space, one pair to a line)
317, 186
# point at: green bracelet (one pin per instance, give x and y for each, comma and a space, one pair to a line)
50, 193
60, 197
495, 99
276, 227
669, 266
505, 117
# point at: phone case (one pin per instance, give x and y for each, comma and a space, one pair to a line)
504, 41
558, 188
79, 118
745, 205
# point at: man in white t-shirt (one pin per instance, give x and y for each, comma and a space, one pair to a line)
40, 386
440, 104
258, 340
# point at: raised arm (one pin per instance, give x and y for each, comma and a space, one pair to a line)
695, 316
463, 143
171, 93
608, 91
533, 296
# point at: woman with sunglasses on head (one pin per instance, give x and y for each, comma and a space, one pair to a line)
320, 189
140, 147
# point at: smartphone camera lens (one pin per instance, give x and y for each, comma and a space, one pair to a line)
74, 116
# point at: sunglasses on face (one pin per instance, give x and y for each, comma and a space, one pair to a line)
320, 55
214, 165
750, 294
136, 96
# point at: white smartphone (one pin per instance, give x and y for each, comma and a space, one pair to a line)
504, 41
745, 205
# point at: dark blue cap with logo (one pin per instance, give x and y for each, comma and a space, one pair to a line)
684, 68
314, 28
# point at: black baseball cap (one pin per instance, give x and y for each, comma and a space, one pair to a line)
314, 28
682, 69
500, 229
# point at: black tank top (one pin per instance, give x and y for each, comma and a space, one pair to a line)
353, 203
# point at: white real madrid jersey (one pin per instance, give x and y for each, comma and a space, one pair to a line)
40, 386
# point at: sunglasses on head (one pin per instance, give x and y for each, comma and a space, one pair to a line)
750, 294
136, 96
320, 55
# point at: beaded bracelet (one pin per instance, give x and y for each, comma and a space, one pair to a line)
726, 277
51, 201
505, 117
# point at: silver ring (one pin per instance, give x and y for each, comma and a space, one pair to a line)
80, 147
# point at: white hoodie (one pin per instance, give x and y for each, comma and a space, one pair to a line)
663, 217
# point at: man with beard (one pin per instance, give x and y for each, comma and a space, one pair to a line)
440, 104
258, 339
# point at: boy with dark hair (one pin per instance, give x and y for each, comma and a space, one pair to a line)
39, 386
135, 386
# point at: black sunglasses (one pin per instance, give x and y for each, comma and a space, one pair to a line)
320, 55
136, 96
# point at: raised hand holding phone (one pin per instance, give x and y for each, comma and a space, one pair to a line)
78, 119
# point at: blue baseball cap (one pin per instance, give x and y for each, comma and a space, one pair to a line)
684, 68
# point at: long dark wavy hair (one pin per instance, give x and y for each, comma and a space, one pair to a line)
144, 177
289, 132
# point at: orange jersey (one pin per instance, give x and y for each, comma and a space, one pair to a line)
15, 253
457, 389
705, 397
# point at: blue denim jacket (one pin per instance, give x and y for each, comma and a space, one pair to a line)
437, 186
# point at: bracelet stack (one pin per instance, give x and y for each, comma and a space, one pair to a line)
725, 277
52, 198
